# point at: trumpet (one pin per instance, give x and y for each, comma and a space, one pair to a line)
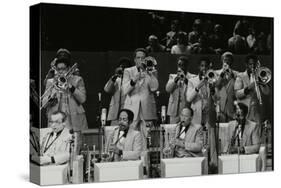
149, 63
211, 76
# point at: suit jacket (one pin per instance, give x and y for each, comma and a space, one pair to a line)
250, 139
117, 99
132, 145
225, 94
193, 141
71, 103
141, 96
198, 101
177, 100
59, 149
242, 81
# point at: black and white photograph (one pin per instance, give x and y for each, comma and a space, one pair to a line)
131, 94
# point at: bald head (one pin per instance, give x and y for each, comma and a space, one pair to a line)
186, 116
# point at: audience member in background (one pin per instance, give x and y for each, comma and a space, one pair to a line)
218, 40
193, 36
202, 47
251, 39
176, 87
180, 47
237, 43
261, 44
171, 35
114, 88
154, 45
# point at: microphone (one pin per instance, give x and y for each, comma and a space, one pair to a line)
157, 93
163, 113
99, 94
103, 116
238, 110
71, 140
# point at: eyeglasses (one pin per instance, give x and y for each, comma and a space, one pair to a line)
123, 119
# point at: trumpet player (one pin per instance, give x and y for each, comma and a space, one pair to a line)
187, 138
176, 87
225, 88
114, 88
125, 143
67, 95
245, 139
198, 91
139, 85
250, 89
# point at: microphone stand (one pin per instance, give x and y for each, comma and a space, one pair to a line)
71, 149
98, 121
239, 145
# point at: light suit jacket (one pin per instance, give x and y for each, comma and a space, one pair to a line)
250, 138
71, 103
141, 96
132, 145
177, 100
193, 141
59, 149
114, 88
196, 99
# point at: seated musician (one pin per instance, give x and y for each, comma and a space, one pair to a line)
54, 148
244, 132
187, 139
125, 143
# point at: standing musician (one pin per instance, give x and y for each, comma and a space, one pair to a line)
139, 85
125, 143
187, 138
198, 92
225, 88
114, 87
177, 87
245, 137
54, 148
247, 92
67, 98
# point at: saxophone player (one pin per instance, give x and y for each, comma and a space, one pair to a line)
67, 96
125, 143
245, 139
187, 138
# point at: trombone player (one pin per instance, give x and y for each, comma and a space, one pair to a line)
124, 143
250, 87
66, 94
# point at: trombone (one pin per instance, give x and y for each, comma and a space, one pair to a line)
260, 75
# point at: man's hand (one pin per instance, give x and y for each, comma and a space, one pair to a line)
179, 142
137, 77
113, 148
45, 160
